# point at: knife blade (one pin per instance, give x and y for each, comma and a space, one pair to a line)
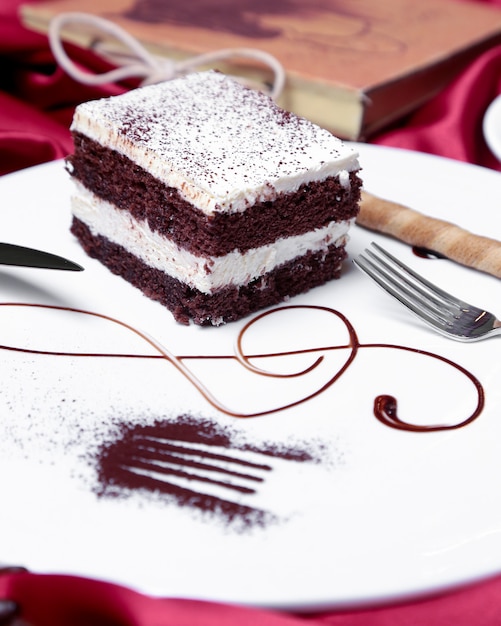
20, 256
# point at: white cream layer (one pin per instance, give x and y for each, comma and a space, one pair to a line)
224, 147
205, 274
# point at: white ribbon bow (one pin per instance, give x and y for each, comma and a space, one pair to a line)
140, 63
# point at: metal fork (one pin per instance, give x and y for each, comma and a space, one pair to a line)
445, 313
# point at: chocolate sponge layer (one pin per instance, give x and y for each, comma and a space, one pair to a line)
116, 179
226, 305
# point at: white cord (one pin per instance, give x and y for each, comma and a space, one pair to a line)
140, 63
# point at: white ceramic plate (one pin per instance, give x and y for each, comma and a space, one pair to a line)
491, 127
383, 513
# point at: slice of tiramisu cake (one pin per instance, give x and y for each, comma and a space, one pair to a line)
208, 197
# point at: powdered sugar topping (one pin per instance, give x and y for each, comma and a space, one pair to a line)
222, 145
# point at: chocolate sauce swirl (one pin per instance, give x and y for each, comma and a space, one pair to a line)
385, 407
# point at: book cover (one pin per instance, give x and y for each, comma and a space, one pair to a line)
352, 66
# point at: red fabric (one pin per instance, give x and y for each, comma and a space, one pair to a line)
52, 600
36, 105
451, 124
37, 99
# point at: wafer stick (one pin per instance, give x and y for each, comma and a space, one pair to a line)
444, 238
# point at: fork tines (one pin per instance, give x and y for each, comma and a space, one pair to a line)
412, 290
416, 293
447, 314
165, 459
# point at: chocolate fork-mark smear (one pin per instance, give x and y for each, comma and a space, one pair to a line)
149, 458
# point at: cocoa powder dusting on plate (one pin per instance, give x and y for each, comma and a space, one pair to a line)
192, 462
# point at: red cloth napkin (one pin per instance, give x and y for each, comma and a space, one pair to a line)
36, 106
450, 125
51, 600
37, 98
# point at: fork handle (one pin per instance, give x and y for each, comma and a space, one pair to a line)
417, 229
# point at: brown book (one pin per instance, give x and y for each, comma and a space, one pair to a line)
352, 66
